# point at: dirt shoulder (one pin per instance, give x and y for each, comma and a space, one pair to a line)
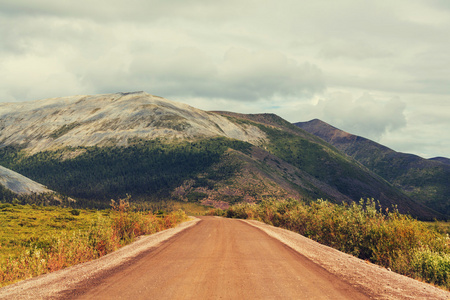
372, 278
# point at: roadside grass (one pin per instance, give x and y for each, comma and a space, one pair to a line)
192, 209
40, 239
381, 236
440, 226
160, 207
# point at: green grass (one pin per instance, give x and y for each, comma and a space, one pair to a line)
425, 181
35, 240
330, 166
192, 209
29, 226
440, 226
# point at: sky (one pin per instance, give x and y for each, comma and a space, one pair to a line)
379, 69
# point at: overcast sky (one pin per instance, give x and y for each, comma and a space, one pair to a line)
380, 69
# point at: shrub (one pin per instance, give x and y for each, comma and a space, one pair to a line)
105, 234
75, 212
431, 266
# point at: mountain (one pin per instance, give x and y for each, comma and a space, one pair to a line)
443, 160
17, 188
20, 184
425, 180
95, 148
112, 119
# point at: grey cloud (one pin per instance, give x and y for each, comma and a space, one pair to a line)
241, 75
348, 49
441, 4
423, 139
35, 77
266, 74
124, 11
45, 35
185, 63
364, 116
430, 72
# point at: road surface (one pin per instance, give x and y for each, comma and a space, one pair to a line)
218, 258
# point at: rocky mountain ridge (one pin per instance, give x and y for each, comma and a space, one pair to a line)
110, 119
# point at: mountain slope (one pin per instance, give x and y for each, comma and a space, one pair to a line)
328, 165
427, 181
15, 188
96, 148
20, 184
443, 160
111, 119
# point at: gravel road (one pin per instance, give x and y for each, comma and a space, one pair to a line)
217, 258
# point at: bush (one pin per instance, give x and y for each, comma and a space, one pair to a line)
433, 267
75, 212
106, 234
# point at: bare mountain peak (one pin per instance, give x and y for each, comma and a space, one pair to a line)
110, 119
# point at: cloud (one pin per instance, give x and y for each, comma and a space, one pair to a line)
31, 77
267, 74
426, 133
366, 115
240, 75
126, 11
425, 138
242, 55
353, 49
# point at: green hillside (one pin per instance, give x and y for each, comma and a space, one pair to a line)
426, 181
329, 165
150, 169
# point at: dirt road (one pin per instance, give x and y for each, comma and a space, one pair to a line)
218, 259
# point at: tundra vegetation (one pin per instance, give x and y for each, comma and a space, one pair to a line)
365, 230
40, 239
